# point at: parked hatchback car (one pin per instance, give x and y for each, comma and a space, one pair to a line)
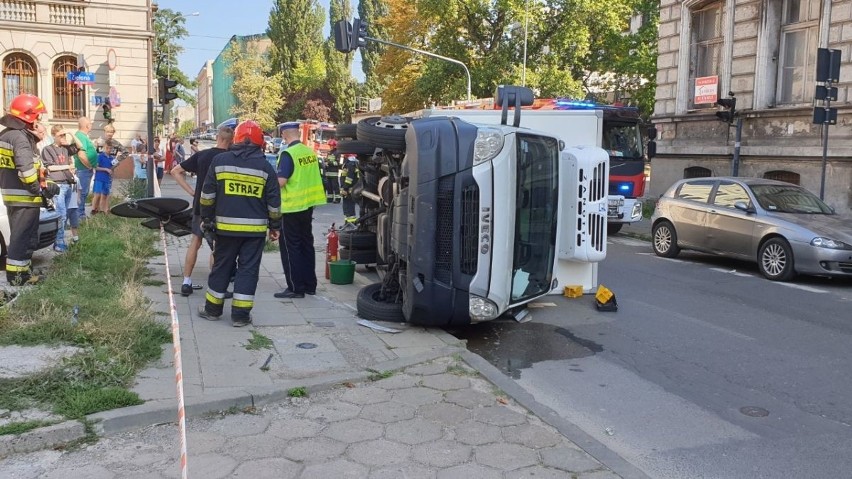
783, 227
47, 226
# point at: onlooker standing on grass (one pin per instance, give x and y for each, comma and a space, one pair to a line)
159, 159
198, 163
103, 180
140, 169
84, 162
57, 159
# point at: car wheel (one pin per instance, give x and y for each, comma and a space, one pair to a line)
613, 228
346, 131
357, 239
387, 132
775, 260
373, 305
355, 147
665, 240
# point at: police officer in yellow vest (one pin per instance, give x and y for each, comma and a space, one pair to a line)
301, 189
19, 185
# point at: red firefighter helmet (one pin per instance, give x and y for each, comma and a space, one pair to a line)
27, 108
249, 132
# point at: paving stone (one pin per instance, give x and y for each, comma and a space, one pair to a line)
354, 430
417, 396
208, 466
314, 449
470, 398
476, 433
148, 458
442, 453
335, 411
470, 471
415, 431
387, 412
507, 457
531, 435
139, 475
90, 471
338, 469
406, 471
599, 475
398, 381
427, 369
203, 442
362, 395
537, 472
499, 416
445, 382
241, 425
448, 414
294, 428
380, 452
261, 446
568, 459
272, 468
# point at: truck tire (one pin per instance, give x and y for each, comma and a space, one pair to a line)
387, 132
613, 228
346, 131
355, 147
360, 256
372, 308
357, 239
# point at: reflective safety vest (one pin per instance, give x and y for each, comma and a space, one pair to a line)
304, 188
19, 169
244, 198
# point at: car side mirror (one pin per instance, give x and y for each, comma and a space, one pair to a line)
743, 206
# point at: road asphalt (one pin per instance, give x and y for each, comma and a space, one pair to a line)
413, 403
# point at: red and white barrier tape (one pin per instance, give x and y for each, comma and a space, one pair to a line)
178, 363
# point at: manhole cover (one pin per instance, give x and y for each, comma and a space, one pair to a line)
754, 411
310, 346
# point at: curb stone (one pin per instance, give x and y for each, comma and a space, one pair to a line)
42, 438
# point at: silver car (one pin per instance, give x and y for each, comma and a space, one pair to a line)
783, 227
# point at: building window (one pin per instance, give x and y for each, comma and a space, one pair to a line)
705, 45
19, 76
786, 176
68, 99
696, 172
799, 43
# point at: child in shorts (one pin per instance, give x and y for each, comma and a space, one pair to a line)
103, 181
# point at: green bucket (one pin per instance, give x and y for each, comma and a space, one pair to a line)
342, 271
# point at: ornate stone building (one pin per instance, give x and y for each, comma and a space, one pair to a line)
41, 41
764, 51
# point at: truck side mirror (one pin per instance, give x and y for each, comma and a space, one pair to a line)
652, 149
652, 132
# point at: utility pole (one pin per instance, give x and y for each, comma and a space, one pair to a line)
728, 115
828, 72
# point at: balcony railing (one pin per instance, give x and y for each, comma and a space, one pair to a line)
17, 11
67, 15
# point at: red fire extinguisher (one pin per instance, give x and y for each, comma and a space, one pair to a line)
330, 250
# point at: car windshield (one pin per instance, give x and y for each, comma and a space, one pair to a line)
622, 140
535, 220
789, 199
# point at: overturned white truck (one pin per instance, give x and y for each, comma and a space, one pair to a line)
470, 222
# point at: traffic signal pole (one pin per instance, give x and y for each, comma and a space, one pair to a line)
735, 162
149, 166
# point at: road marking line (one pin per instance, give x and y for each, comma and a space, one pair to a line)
627, 241
803, 288
733, 272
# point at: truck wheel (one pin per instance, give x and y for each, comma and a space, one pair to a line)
360, 256
346, 131
613, 228
355, 147
372, 305
387, 132
357, 239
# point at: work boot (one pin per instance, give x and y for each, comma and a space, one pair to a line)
202, 312
25, 279
241, 322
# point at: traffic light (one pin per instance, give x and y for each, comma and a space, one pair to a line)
730, 105
107, 106
166, 95
358, 36
343, 36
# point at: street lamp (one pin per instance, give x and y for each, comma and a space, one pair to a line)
169, 44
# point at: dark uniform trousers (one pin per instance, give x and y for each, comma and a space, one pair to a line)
23, 241
297, 251
237, 256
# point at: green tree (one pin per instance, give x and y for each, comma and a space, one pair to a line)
295, 29
186, 128
404, 24
168, 31
258, 91
372, 11
338, 70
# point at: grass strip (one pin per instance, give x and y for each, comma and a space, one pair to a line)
103, 277
22, 427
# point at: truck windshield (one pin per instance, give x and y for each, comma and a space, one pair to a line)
623, 140
535, 223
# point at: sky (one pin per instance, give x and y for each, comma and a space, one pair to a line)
218, 21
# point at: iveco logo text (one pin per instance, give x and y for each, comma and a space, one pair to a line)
485, 230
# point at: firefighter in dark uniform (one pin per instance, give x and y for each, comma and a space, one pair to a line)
301, 189
19, 185
349, 176
240, 202
332, 182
